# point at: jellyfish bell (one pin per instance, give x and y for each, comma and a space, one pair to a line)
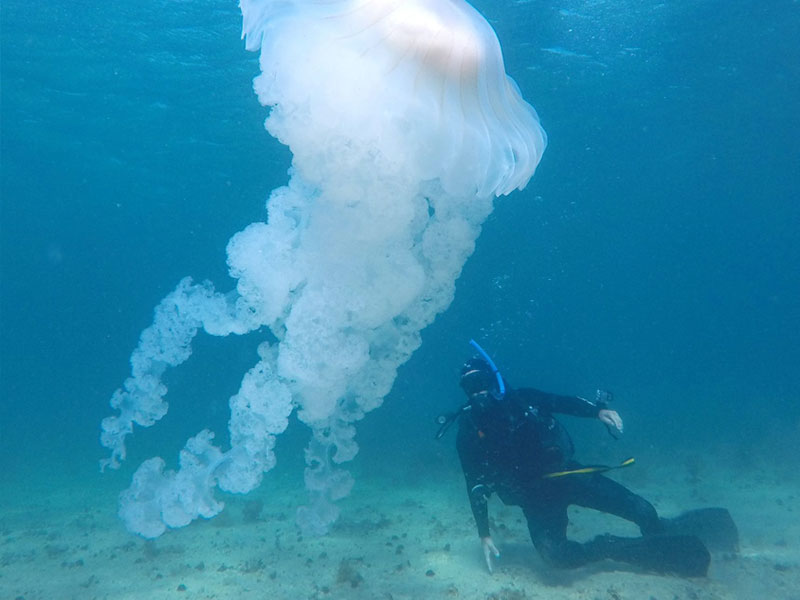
415, 74
403, 127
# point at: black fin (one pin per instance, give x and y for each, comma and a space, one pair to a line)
714, 526
683, 555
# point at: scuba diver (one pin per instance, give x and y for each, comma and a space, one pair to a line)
510, 443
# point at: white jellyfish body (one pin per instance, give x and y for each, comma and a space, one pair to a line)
403, 127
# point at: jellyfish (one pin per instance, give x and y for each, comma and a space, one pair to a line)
403, 127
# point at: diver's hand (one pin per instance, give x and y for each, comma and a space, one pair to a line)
610, 418
489, 550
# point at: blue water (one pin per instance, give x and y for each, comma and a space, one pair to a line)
655, 253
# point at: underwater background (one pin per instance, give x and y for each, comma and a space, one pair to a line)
655, 252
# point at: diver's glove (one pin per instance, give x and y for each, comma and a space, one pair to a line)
489, 550
610, 418
612, 421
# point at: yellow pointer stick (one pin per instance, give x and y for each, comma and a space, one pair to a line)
593, 469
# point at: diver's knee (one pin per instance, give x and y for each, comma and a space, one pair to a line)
646, 517
562, 554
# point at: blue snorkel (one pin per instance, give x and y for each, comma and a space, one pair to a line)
500, 385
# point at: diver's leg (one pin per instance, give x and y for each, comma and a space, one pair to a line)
547, 524
682, 554
606, 495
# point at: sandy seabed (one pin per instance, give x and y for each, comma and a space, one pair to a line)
410, 538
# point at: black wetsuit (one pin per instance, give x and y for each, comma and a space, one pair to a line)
507, 448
